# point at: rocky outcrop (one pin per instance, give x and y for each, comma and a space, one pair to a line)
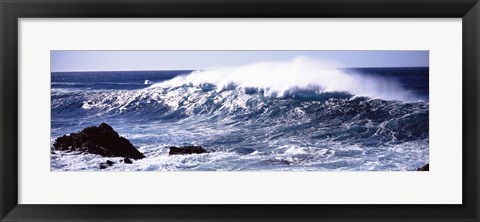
103, 166
424, 168
127, 161
101, 140
106, 164
187, 150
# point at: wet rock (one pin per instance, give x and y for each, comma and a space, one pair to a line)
424, 168
127, 161
187, 150
101, 140
103, 165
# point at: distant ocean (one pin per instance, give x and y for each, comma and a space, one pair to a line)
362, 119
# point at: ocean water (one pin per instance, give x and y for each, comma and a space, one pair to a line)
264, 117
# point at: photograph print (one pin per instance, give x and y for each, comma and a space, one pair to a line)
315, 110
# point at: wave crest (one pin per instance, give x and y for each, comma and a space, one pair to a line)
277, 79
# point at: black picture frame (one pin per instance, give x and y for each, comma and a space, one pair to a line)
12, 10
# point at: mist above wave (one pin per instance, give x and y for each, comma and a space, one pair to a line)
277, 79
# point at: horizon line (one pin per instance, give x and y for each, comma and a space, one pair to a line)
156, 70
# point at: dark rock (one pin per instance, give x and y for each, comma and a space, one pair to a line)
109, 162
127, 161
187, 150
103, 165
101, 140
424, 168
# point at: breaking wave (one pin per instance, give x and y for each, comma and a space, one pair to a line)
304, 114
280, 78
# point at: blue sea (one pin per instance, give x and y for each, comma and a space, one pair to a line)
252, 119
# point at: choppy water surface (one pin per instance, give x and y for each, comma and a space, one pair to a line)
294, 116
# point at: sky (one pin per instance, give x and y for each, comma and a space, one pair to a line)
81, 60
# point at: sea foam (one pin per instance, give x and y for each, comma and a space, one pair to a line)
280, 78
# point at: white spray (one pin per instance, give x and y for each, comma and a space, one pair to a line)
278, 78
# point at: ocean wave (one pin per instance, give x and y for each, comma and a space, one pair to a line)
299, 115
280, 78
321, 116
